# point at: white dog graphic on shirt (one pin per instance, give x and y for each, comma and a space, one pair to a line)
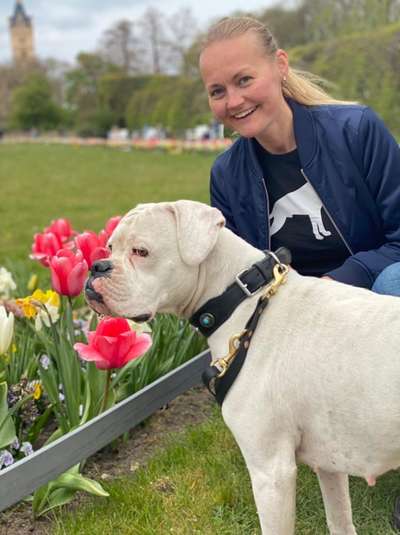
302, 201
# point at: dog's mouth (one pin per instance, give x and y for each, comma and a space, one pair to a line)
96, 301
141, 318
91, 294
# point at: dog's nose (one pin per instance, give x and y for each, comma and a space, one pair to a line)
101, 268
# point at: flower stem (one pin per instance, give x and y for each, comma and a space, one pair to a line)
106, 391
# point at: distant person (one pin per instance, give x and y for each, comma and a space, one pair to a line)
318, 175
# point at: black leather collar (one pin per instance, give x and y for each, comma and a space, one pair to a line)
217, 310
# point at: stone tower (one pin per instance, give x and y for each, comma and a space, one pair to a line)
21, 31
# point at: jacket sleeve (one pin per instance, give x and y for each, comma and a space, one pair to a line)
378, 155
218, 198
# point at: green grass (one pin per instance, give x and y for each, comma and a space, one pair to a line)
86, 185
199, 485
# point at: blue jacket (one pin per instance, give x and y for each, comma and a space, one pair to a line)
353, 163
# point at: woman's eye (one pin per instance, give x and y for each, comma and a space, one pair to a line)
216, 93
140, 251
244, 80
109, 247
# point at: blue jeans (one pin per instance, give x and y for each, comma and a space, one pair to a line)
388, 281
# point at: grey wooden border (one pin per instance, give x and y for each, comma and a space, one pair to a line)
22, 478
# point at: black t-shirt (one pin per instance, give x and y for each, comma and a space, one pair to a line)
297, 217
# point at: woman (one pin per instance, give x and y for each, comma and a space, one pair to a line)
315, 174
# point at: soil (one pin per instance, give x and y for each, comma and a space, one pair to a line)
122, 458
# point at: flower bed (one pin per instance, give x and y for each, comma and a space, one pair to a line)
172, 146
46, 390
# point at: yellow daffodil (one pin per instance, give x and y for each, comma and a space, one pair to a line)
40, 305
28, 309
50, 302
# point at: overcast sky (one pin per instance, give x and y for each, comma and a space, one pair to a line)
65, 27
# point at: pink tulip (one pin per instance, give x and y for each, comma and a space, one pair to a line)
62, 228
111, 224
45, 246
68, 272
113, 344
92, 246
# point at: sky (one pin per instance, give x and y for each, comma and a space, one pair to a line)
65, 27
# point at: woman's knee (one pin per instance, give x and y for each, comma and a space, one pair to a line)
388, 281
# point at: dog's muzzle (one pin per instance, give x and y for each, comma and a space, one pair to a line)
90, 292
100, 268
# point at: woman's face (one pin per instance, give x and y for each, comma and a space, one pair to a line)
244, 85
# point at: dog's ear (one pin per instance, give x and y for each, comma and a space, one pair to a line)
198, 226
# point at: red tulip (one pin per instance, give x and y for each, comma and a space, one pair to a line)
92, 246
68, 272
62, 228
113, 344
45, 246
111, 224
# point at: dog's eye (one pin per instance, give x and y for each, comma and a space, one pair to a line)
140, 251
109, 247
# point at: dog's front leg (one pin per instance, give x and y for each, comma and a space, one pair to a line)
274, 487
336, 496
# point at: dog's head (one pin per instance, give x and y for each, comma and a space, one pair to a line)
156, 251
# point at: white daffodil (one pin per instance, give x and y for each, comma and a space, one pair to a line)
6, 329
7, 284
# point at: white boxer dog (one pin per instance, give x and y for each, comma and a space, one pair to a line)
321, 381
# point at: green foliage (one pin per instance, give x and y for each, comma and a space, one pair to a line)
33, 105
7, 427
62, 490
115, 91
175, 103
364, 67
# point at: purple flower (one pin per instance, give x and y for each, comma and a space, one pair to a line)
26, 448
6, 459
15, 444
45, 362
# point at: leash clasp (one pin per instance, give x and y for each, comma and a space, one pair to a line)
223, 364
280, 272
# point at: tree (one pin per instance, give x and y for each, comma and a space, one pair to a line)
154, 39
120, 46
33, 105
83, 96
182, 30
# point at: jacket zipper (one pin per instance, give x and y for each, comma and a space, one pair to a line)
268, 223
327, 212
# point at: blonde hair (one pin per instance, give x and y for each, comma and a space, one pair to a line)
301, 86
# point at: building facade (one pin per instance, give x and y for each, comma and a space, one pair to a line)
21, 33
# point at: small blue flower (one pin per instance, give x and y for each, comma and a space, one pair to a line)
6, 459
26, 448
45, 362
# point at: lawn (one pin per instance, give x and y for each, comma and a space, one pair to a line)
87, 185
199, 484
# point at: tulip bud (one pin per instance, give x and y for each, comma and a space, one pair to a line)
62, 228
6, 330
92, 246
112, 224
45, 246
68, 272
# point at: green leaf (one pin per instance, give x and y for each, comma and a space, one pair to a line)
79, 482
57, 498
7, 427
